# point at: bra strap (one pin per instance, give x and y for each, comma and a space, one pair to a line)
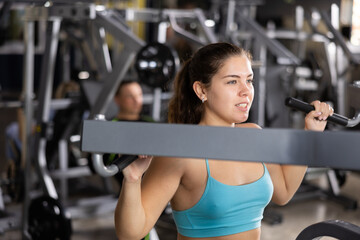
207, 166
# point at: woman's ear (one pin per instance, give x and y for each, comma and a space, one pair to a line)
200, 90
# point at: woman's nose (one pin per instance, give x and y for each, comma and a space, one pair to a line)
243, 89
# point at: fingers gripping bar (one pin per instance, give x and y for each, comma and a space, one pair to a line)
305, 107
116, 166
124, 160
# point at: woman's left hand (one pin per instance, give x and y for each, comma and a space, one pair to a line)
316, 120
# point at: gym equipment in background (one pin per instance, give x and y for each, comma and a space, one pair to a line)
332, 228
156, 64
48, 220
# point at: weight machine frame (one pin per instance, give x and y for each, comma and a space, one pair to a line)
54, 15
103, 20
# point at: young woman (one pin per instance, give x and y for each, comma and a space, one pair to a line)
214, 199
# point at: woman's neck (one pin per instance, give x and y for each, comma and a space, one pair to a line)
205, 122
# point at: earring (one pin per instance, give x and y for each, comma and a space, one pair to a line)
203, 99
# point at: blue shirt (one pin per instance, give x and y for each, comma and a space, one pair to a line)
226, 209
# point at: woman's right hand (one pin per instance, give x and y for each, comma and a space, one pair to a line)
136, 169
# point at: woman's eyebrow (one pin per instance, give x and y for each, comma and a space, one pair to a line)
236, 76
232, 76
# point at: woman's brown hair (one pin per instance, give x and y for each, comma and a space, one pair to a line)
185, 106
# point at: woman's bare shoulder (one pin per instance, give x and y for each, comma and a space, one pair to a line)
169, 163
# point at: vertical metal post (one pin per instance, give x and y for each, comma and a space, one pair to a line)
333, 181
43, 113
162, 28
28, 82
2, 204
230, 19
156, 107
63, 166
258, 110
340, 63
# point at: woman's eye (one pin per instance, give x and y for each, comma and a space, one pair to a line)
250, 80
232, 82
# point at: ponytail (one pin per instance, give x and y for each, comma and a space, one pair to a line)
185, 106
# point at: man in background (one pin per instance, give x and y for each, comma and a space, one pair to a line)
129, 100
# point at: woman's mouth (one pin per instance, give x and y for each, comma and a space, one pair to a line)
242, 106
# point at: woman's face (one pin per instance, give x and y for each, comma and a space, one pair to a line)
231, 92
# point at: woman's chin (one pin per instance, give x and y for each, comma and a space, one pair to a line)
242, 119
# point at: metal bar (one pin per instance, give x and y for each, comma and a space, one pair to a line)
260, 83
77, 12
43, 114
74, 172
116, 28
63, 167
104, 53
55, 104
273, 45
284, 146
156, 106
155, 15
186, 34
28, 90
209, 33
338, 38
230, 18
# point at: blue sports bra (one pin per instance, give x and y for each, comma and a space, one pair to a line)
226, 209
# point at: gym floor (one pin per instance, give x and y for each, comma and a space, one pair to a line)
296, 215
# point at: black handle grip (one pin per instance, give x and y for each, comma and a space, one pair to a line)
124, 160
305, 107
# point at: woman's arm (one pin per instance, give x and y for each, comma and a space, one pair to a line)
142, 200
287, 178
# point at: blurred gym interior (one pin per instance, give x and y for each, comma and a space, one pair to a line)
61, 62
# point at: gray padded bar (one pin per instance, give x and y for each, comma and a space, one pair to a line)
285, 146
